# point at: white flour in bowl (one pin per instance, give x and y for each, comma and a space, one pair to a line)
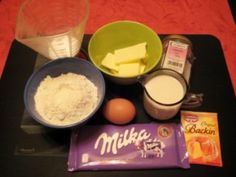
65, 99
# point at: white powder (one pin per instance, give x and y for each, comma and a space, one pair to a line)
65, 99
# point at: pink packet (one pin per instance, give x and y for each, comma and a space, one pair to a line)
134, 146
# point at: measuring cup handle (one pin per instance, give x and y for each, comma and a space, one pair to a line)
192, 100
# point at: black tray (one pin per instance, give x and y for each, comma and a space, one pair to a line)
28, 149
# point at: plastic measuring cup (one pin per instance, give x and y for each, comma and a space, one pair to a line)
52, 28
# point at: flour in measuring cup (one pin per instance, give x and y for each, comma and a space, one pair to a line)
65, 99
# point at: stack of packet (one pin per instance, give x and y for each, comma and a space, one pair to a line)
134, 146
202, 137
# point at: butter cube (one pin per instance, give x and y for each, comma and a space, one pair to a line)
129, 69
131, 54
142, 67
109, 62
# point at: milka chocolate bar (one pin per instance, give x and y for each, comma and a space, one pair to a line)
135, 146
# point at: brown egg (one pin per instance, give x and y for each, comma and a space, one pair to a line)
119, 111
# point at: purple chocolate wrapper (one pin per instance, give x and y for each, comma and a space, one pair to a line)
135, 146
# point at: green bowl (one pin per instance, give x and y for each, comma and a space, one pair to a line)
122, 34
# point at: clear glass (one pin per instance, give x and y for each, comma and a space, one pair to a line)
53, 28
163, 110
156, 108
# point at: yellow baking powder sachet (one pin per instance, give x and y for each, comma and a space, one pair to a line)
202, 137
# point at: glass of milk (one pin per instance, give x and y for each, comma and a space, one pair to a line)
164, 92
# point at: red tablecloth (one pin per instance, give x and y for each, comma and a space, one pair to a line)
164, 16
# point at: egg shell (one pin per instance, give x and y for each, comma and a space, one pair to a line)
119, 111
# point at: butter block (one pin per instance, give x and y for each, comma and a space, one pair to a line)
129, 69
142, 67
109, 62
130, 54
